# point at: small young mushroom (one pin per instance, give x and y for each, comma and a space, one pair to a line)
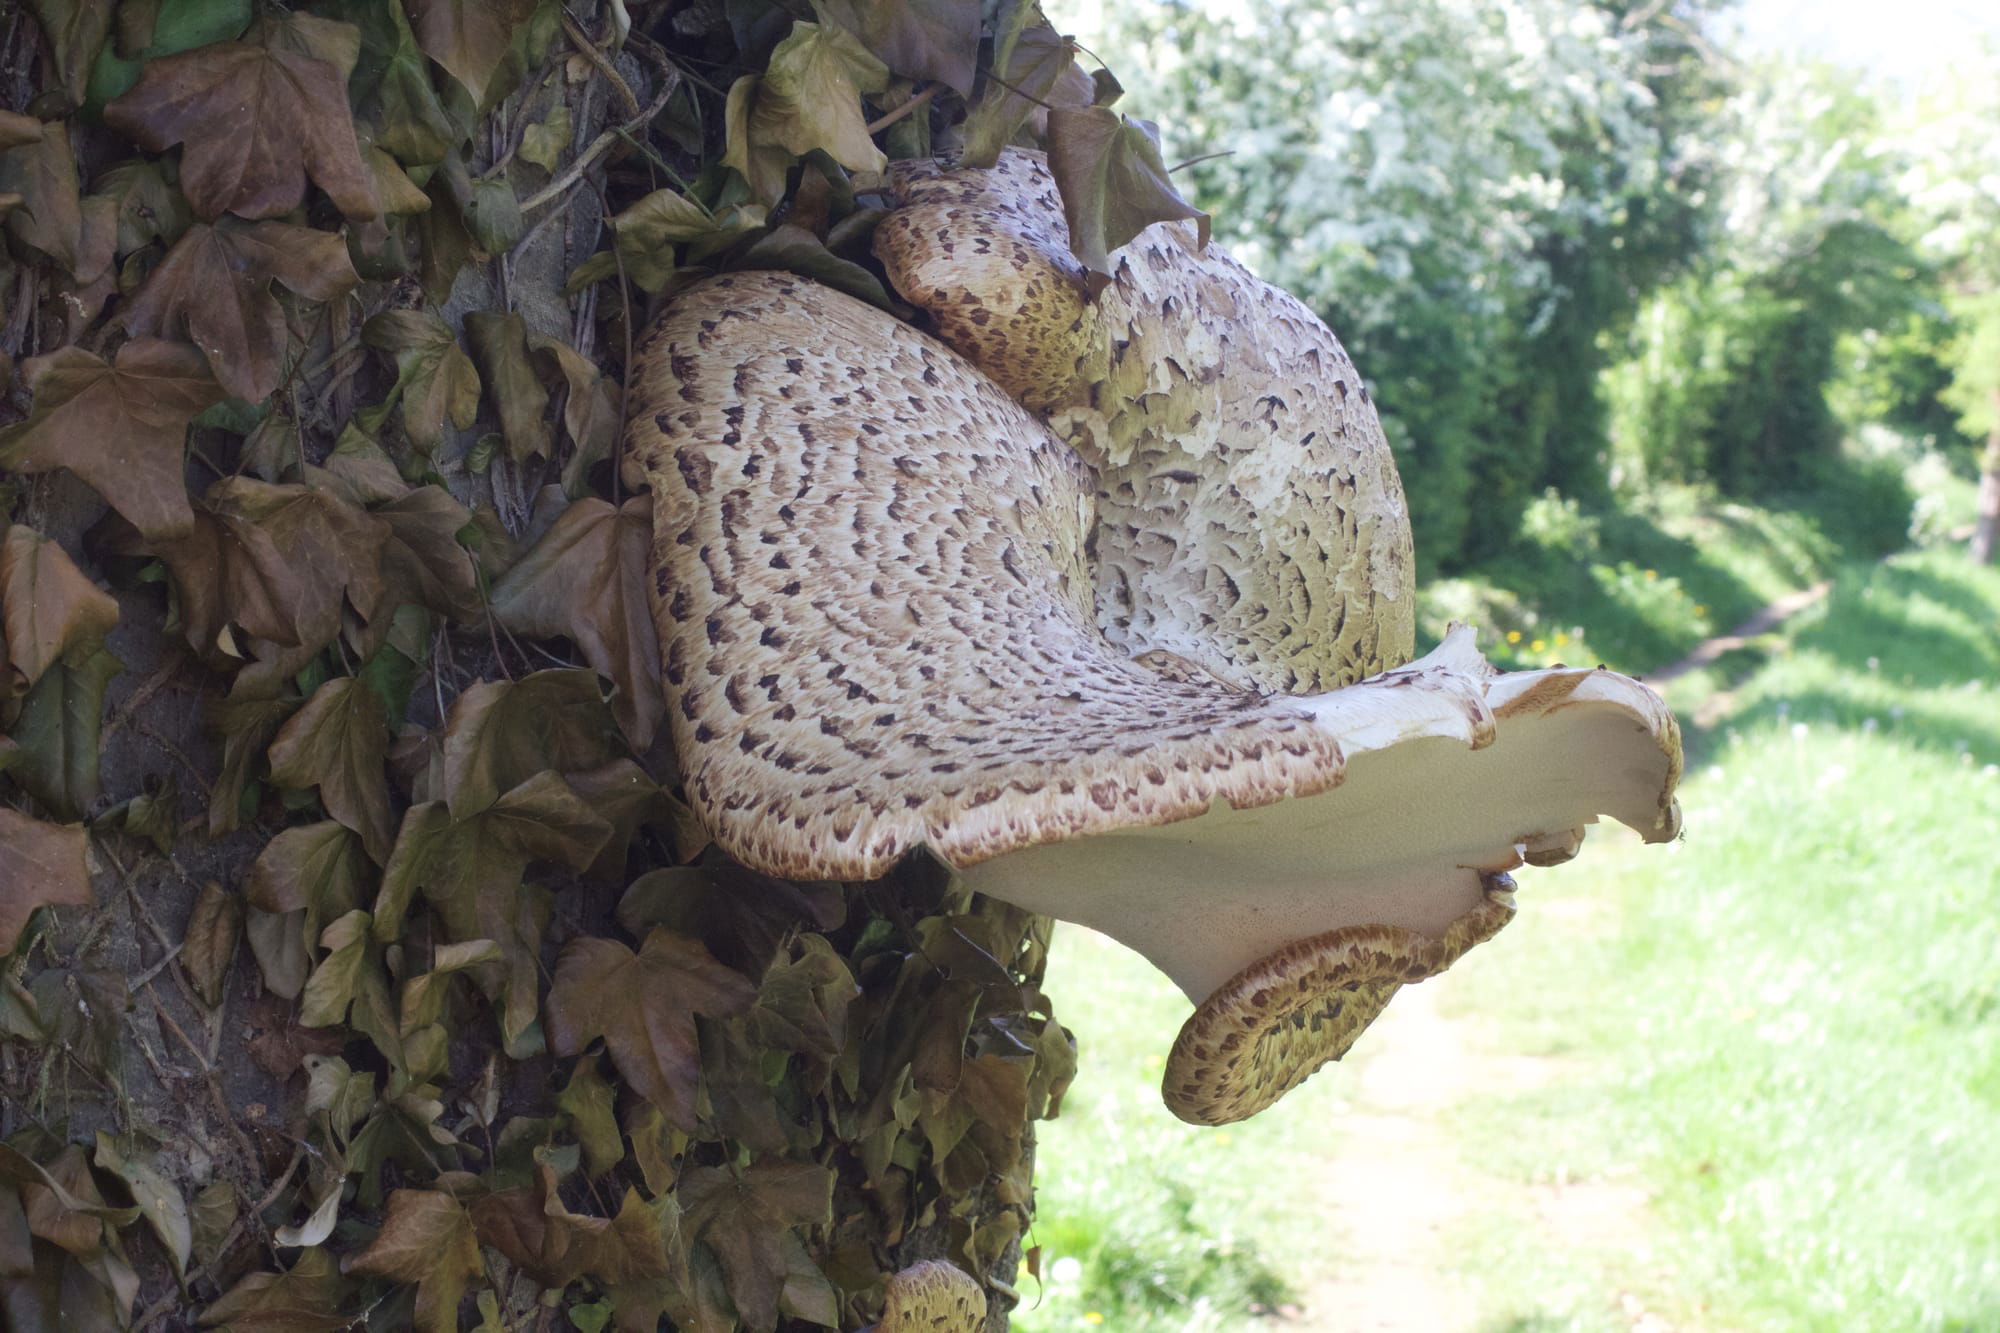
880, 632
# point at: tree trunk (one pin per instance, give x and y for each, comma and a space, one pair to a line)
1986, 530
299, 915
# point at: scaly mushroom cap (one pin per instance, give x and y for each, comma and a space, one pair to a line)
879, 633
933, 1297
1249, 517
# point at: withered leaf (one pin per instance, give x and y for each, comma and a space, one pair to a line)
587, 1100
76, 30
121, 428
643, 1004
544, 142
500, 346
303, 1299
58, 730
214, 289
534, 1230
209, 948
17, 129
331, 987
590, 410
278, 942
919, 39
469, 37
316, 866
1041, 72
808, 97
422, 561
47, 606
395, 80
802, 1003
744, 1217
1113, 182
41, 865
427, 1239
149, 208
276, 560
502, 733
435, 381
49, 216
740, 915
338, 743
256, 121
158, 1201
247, 724
587, 580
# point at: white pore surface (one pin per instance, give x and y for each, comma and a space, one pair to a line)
1400, 842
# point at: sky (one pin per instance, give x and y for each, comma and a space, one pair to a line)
1907, 41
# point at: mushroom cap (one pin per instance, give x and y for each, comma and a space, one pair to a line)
933, 1296
1249, 515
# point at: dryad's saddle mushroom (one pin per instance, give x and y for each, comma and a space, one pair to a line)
1108, 604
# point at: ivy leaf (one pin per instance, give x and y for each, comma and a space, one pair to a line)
256, 120
149, 208
277, 560
338, 743
41, 865
214, 289
740, 915
502, 733
208, 948
744, 1219
469, 37
159, 1202
304, 1299
319, 867
48, 215
47, 606
435, 381
76, 30
121, 428
808, 97
58, 731
920, 39
802, 1004
500, 347
331, 987
1041, 72
394, 80
590, 410
1113, 182
556, 1246
423, 562
427, 1238
587, 580
587, 1101
643, 1004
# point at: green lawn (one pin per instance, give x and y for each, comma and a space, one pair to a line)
1775, 1045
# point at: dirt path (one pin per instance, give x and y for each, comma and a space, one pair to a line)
1397, 1187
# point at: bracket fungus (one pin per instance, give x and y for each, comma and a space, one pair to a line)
1107, 604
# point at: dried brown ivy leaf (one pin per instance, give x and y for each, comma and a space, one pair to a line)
208, 950
423, 562
47, 606
500, 346
214, 289
435, 381
304, 1299
256, 120
320, 867
17, 129
590, 410
331, 987
534, 1230
427, 1239
1113, 182
338, 743
740, 915
156, 1197
469, 37
41, 865
744, 1218
643, 1004
149, 208
802, 1003
502, 733
49, 216
587, 1099
588, 580
927, 39
122, 428
279, 561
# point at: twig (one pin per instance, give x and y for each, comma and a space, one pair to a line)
561, 185
922, 99
588, 50
1205, 157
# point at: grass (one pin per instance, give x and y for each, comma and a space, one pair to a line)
1775, 1045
